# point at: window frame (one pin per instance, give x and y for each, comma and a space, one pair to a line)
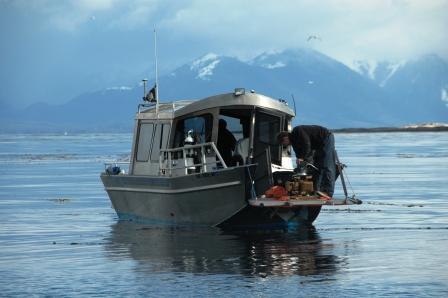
141, 141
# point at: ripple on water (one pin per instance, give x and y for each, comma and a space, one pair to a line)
59, 235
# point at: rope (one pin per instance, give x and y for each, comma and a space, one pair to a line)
348, 180
252, 189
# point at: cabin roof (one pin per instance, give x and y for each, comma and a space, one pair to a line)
230, 99
181, 108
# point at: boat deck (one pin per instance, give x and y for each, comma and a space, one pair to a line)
295, 202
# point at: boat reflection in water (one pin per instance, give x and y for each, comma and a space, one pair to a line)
212, 251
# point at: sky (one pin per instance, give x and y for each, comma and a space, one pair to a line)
53, 50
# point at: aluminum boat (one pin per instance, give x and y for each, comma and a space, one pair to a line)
178, 176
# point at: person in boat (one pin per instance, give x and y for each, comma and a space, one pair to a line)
242, 145
226, 142
314, 142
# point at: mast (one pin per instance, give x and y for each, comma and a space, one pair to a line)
157, 75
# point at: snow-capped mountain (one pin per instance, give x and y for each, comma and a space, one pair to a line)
326, 92
379, 72
304, 57
417, 89
204, 66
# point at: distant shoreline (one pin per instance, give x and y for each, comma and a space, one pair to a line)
55, 131
391, 129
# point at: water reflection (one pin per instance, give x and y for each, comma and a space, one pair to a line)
211, 251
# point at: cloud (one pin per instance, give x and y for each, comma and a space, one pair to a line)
92, 44
369, 28
391, 30
70, 15
62, 15
348, 29
135, 14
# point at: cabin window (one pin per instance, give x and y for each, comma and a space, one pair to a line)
161, 135
165, 135
267, 128
157, 142
199, 126
144, 141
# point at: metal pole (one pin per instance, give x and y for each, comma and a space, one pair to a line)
218, 155
341, 173
157, 75
251, 137
294, 102
204, 160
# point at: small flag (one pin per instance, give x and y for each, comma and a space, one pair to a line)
151, 96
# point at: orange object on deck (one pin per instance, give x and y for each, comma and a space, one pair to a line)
283, 198
276, 192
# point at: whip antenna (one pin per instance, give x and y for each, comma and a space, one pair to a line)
157, 74
294, 102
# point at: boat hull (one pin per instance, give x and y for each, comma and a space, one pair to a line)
211, 199
206, 198
272, 218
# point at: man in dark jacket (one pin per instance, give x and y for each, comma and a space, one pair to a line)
306, 139
226, 142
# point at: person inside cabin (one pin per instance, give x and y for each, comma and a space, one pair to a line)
242, 145
226, 142
306, 138
179, 135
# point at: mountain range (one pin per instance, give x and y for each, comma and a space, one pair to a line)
326, 92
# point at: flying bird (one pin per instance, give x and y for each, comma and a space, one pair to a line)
314, 37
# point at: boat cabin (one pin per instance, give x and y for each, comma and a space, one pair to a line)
228, 130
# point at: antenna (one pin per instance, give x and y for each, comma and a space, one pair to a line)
294, 102
157, 75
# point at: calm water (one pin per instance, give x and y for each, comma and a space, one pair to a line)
59, 235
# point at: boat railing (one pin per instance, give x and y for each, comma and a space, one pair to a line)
164, 107
199, 158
